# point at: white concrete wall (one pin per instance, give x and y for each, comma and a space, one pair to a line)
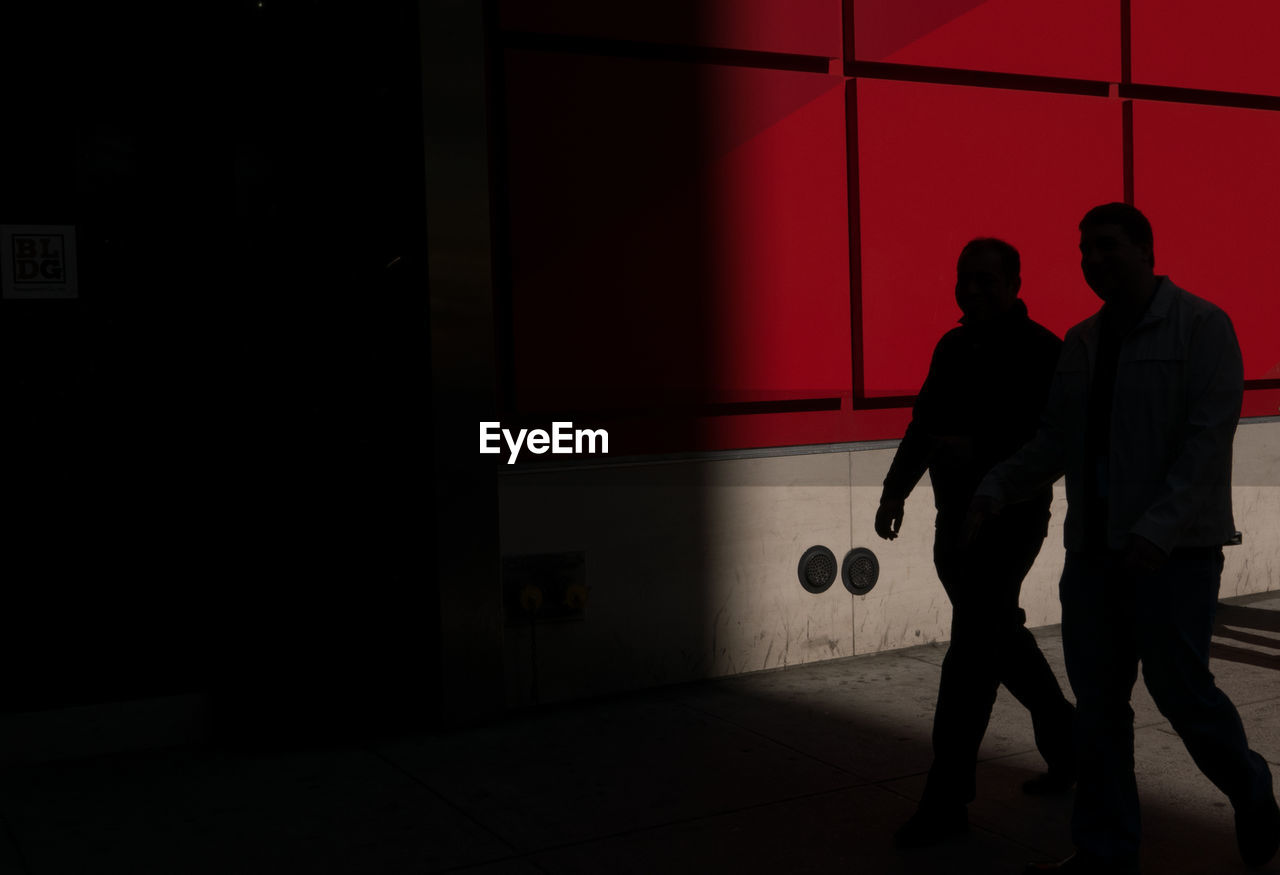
692, 565
691, 569
1254, 566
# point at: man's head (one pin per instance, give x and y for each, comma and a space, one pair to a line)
1117, 252
988, 276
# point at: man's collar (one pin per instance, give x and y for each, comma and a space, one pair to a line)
1161, 300
1156, 307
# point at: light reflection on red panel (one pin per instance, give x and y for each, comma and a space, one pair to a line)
779, 246
941, 164
679, 234
1208, 178
1068, 38
806, 27
1225, 45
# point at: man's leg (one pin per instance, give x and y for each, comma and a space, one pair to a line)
1024, 670
1032, 682
1176, 607
990, 644
968, 685
1102, 664
966, 692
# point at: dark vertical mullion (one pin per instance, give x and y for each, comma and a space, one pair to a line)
1126, 32
855, 239
1126, 115
854, 201
1126, 77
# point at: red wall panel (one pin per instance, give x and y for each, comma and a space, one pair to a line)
1069, 38
1208, 178
942, 164
678, 233
1225, 45
806, 27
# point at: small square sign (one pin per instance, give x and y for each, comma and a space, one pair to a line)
38, 261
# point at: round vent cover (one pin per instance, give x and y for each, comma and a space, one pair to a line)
817, 569
861, 570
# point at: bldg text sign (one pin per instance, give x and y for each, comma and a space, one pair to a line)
38, 261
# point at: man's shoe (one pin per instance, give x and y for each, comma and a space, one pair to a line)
1081, 863
1049, 783
932, 825
1258, 832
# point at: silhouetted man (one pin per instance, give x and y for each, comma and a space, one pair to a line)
1141, 417
980, 401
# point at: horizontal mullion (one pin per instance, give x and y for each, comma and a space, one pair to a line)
883, 401
1170, 94
976, 78
725, 408
614, 48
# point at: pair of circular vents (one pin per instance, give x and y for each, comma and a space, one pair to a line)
859, 571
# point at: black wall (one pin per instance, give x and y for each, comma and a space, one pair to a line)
215, 460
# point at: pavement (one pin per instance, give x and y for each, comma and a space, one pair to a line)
796, 770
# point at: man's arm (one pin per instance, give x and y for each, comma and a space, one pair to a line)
1215, 390
909, 465
914, 453
1037, 463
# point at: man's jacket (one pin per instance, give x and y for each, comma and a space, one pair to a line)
1178, 390
979, 403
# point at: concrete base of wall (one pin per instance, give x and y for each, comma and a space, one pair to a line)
691, 566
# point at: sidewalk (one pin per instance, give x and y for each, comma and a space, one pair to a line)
806, 769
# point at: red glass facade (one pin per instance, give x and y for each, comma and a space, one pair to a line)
722, 231
1077, 39
1226, 45
942, 164
692, 272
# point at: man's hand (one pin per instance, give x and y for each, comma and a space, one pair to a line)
1142, 557
889, 518
982, 510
